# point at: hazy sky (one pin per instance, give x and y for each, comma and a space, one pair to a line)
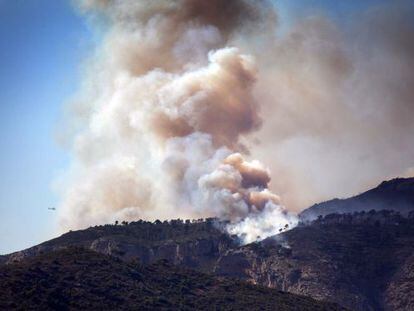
42, 43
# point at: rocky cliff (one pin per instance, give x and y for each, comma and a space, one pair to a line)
363, 260
197, 244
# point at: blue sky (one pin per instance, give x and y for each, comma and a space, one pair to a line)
42, 43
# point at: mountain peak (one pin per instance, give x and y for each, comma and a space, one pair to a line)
396, 194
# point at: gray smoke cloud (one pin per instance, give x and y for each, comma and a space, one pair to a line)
180, 96
167, 100
339, 104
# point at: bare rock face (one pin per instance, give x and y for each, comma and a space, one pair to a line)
201, 253
194, 245
399, 293
363, 261
287, 270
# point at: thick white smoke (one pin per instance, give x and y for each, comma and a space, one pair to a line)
181, 94
167, 101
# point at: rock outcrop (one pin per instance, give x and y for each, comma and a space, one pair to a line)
362, 262
194, 245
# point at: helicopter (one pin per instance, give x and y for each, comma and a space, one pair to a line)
52, 208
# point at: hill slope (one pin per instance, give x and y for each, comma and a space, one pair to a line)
363, 261
79, 279
396, 194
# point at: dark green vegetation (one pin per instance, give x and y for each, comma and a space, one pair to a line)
79, 279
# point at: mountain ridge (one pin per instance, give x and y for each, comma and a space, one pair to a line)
361, 260
395, 194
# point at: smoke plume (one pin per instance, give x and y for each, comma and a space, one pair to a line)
181, 96
167, 101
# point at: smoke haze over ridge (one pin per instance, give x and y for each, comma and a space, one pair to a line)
181, 93
342, 116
